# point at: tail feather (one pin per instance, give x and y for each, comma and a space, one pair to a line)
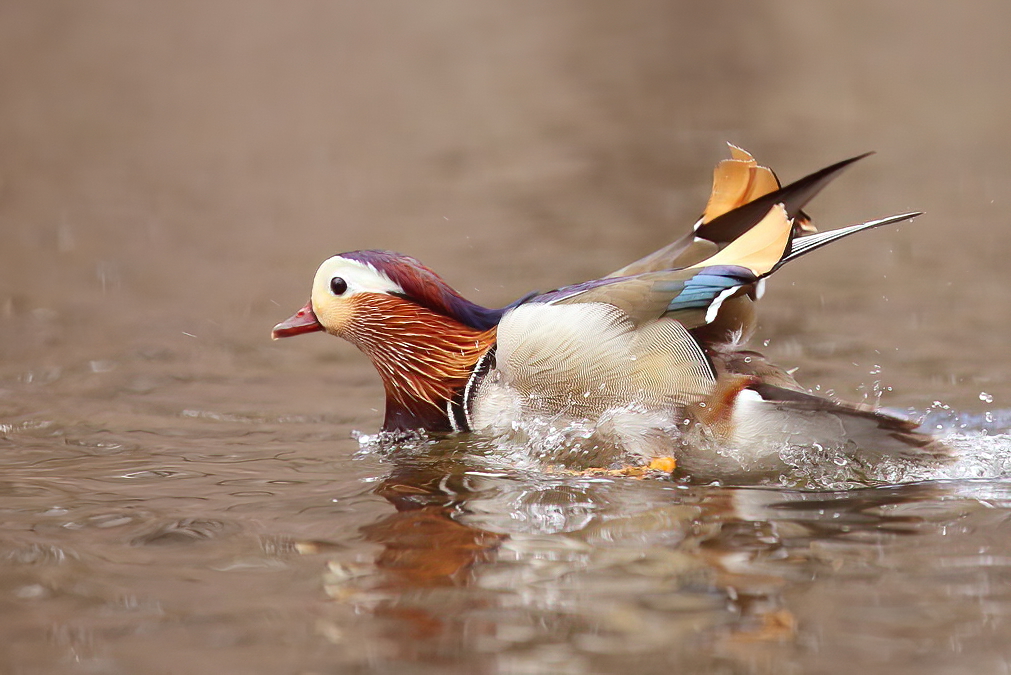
875, 433
714, 232
770, 244
801, 245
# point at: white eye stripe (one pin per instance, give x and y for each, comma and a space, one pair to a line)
360, 278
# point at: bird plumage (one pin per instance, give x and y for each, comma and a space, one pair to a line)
655, 348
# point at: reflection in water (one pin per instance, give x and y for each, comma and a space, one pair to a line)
423, 545
502, 572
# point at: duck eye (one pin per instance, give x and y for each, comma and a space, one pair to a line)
338, 286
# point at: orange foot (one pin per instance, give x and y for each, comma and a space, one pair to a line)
658, 465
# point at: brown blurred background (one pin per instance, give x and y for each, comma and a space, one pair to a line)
171, 174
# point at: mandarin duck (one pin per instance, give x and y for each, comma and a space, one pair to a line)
648, 361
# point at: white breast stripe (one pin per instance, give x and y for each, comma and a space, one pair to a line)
452, 417
475, 376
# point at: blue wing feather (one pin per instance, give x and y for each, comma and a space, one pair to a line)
701, 290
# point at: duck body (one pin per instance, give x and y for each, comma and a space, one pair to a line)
646, 362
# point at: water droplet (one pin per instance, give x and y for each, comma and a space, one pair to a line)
985, 397
101, 366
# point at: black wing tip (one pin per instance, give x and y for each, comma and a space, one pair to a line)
861, 156
830, 170
846, 162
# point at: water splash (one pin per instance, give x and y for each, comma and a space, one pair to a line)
942, 419
980, 445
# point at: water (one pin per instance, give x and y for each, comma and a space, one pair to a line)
180, 495
237, 543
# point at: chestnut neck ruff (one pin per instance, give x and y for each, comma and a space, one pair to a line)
424, 359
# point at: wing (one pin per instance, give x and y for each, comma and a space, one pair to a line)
693, 295
742, 185
737, 181
715, 293
740, 180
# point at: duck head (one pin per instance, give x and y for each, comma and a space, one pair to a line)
423, 337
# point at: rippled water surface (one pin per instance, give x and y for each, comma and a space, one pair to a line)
180, 495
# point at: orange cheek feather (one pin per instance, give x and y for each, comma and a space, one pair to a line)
423, 357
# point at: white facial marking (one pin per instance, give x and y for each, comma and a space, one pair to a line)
360, 278
333, 310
